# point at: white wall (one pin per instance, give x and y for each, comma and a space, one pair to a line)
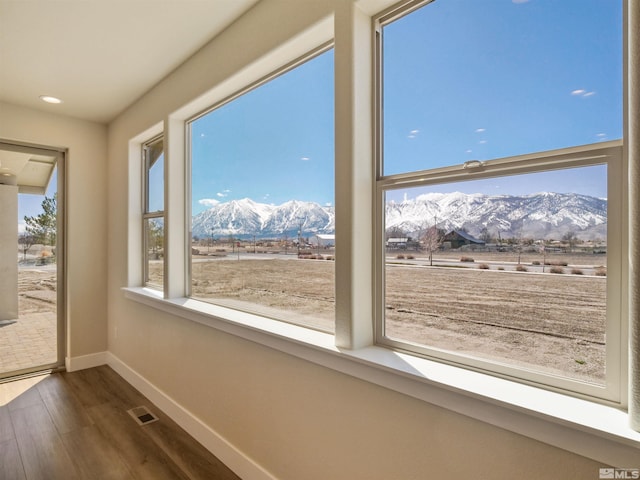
86, 209
295, 419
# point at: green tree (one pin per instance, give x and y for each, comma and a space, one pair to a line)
42, 227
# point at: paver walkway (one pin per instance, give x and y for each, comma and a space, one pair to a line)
27, 342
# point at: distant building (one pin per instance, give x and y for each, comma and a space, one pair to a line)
326, 241
398, 243
458, 238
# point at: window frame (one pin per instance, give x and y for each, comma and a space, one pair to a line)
188, 126
148, 215
597, 430
610, 153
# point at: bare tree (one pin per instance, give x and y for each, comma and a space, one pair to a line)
571, 238
431, 239
26, 241
485, 236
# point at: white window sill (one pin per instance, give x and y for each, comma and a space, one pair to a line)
586, 428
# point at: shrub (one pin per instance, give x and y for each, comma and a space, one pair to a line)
410, 257
500, 268
521, 268
576, 271
601, 272
557, 263
483, 266
400, 256
535, 262
556, 270
466, 259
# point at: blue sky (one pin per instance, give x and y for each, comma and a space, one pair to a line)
31, 205
468, 79
590, 180
463, 79
273, 144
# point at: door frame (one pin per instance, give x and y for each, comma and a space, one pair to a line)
61, 254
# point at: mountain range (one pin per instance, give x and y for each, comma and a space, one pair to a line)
539, 216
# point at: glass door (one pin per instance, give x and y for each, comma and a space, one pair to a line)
31, 260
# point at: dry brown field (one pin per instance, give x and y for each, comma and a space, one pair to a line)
36, 290
551, 322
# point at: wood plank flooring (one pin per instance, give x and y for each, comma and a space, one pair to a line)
75, 426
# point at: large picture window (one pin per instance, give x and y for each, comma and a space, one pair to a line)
262, 182
501, 125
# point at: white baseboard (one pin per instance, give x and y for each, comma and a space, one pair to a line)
239, 463
82, 362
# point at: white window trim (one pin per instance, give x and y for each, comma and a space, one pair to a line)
597, 431
147, 215
609, 153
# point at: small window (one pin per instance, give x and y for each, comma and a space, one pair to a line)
153, 215
498, 188
262, 183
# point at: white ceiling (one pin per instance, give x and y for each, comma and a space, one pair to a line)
99, 56
31, 172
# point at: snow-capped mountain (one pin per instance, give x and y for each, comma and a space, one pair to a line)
539, 216
246, 218
543, 215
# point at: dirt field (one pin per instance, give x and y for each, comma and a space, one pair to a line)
37, 290
552, 322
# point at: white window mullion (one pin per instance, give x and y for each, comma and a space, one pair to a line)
175, 210
354, 177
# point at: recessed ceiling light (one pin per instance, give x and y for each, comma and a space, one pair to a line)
50, 99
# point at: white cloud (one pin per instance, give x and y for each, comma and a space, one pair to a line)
482, 142
519, 1
581, 92
601, 134
208, 202
305, 159
469, 151
414, 132
480, 130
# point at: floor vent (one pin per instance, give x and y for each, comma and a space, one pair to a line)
142, 415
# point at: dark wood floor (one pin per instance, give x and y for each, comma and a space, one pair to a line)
76, 426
